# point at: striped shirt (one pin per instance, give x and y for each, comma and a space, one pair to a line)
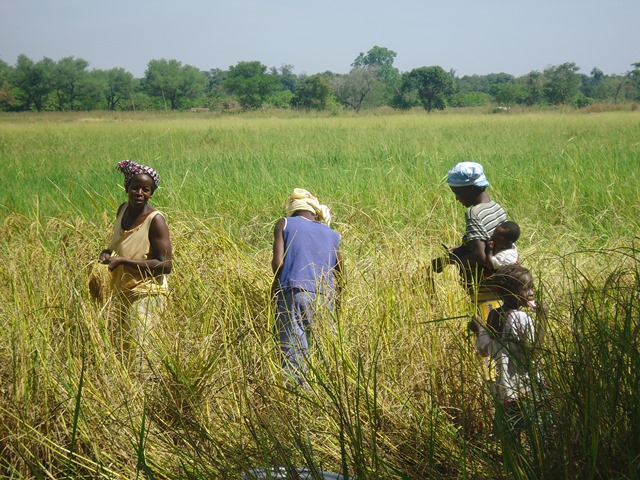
482, 220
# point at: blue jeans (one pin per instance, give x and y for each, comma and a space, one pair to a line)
296, 311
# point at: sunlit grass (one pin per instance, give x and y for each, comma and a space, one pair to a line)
395, 391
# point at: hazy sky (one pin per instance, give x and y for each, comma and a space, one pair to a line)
468, 36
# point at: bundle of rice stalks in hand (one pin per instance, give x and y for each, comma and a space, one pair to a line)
99, 282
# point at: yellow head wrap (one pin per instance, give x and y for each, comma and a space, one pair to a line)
301, 199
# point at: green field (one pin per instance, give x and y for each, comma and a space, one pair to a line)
398, 391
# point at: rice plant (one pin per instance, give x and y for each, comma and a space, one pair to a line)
394, 388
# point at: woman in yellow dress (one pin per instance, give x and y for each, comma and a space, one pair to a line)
139, 257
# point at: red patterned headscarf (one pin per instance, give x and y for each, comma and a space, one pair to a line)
130, 169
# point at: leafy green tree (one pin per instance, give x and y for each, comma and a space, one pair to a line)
7, 99
68, 77
33, 82
407, 95
509, 93
360, 88
90, 92
141, 101
482, 83
561, 83
473, 83
172, 82
599, 86
470, 99
281, 98
589, 84
632, 83
313, 93
286, 76
377, 56
433, 85
192, 83
5, 72
580, 100
162, 80
615, 88
215, 82
251, 84
534, 83
606, 89
117, 87
499, 78
381, 59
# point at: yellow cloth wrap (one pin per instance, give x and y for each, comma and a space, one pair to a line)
485, 307
134, 244
301, 199
485, 300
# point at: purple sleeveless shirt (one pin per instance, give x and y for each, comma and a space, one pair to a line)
309, 255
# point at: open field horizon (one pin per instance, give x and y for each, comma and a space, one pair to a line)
398, 393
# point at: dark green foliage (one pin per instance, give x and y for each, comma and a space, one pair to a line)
287, 78
380, 59
215, 80
482, 83
33, 81
119, 86
7, 99
632, 83
534, 82
69, 78
562, 83
360, 88
509, 93
251, 84
69, 84
470, 99
172, 82
313, 93
433, 85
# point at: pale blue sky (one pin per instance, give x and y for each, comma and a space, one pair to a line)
469, 36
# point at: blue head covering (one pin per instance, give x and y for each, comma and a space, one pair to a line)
466, 174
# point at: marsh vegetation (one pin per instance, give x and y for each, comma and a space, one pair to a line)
397, 390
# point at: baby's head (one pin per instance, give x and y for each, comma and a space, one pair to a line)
505, 235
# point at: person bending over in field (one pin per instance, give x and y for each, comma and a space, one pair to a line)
468, 183
139, 257
509, 339
501, 248
307, 267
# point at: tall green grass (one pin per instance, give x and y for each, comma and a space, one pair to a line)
396, 390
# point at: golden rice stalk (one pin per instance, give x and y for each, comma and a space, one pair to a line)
99, 283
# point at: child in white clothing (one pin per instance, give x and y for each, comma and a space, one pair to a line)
507, 339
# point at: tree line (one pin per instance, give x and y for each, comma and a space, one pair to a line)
372, 82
